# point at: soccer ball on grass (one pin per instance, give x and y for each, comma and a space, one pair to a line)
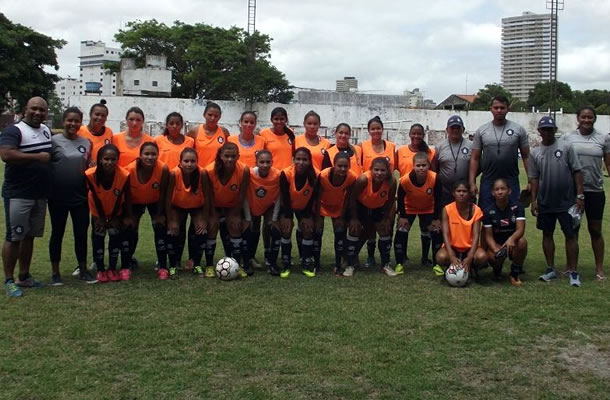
456, 276
227, 269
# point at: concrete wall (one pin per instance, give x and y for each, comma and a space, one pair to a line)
396, 120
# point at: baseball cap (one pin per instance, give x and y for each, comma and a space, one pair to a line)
546, 122
455, 120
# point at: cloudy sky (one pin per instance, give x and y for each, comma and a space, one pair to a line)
439, 46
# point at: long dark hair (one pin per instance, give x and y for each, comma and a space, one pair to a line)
136, 110
282, 111
219, 166
385, 162
374, 119
100, 154
101, 104
311, 172
196, 175
146, 144
169, 116
423, 146
211, 104
72, 110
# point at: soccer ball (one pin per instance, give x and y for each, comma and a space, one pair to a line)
456, 276
227, 269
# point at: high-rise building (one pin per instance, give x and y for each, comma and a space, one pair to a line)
347, 84
415, 98
65, 88
526, 52
94, 79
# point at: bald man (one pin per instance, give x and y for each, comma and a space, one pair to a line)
25, 148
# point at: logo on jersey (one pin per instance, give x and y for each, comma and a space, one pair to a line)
323, 151
513, 218
306, 192
510, 132
220, 139
233, 187
46, 134
465, 150
107, 141
504, 222
82, 149
155, 185
429, 191
558, 153
492, 212
289, 141
19, 229
261, 192
117, 192
383, 194
387, 159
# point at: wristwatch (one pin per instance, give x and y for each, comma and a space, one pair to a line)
580, 196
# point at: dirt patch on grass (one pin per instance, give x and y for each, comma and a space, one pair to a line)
586, 358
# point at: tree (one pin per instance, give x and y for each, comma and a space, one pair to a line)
483, 100
540, 96
209, 62
24, 54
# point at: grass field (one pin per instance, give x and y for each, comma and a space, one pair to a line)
369, 337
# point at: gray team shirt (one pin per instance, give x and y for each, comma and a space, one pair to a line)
452, 161
69, 160
553, 166
499, 147
590, 150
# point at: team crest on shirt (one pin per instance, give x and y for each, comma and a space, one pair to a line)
106, 141
289, 141
155, 185
492, 212
19, 229
429, 191
220, 139
82, 149
46, 134
322, 151
510, 132
387, 159
513, 218
261, 192
504, 222
233, 187
558, 153
117, 192
383, 194
306, 192
465, 150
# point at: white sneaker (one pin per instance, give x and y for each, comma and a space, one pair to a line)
76, 271
349, 272
575, 279
388, 270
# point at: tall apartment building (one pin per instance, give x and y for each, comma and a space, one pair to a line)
526, 52
65, 88
347, 84
93, 78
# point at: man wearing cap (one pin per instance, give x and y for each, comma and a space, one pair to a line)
25, 148
557, 184
452, 158
495, 150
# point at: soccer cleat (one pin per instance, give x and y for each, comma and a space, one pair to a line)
285, 273
113, 276
309, 273
163, 274
12, 290
242, 273
574, 279
87, 277
29, 283
210, 272
76, 271
399, 269
125, 274
56, 280
198, 271
548, 276
370, 262
388, 270
249, 269
438, 271
515, 281
349, 271
172, 273
102, 277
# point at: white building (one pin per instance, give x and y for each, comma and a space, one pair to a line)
347, 84
415, 98
526, 52
65, 88
94, 79
153, 80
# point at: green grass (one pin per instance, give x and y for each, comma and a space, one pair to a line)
323, 338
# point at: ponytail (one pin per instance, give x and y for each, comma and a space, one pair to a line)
423, 146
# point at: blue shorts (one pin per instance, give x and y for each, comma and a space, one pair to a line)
486, 199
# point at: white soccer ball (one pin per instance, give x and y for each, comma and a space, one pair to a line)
456, 276
227, 269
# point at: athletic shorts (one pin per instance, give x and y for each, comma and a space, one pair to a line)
546, 223
369, 215
502, 237
594, 205
24, 218
139, 209
300, 214
424, 221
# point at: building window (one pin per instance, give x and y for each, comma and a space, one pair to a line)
155, 83
136, 82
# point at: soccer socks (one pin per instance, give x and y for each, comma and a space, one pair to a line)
437, 243
224, 236
299, 238
160, 232
370, 248
97, 244
307, 254
353, 246
317, 248
210, 249
286, 245
132, 235
385, 247
425, 245
274, 250
339, 248
172, 254
400, 246
236, 248
114, 249
198, 248
515, 270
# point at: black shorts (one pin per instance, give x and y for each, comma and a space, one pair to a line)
139, 209
300, 214
424, 221
500, 238
546, 223
594, 205
368, 215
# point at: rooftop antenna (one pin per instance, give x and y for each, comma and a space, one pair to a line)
251, 44
251, 17
555, 6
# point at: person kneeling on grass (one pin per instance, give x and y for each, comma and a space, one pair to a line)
503, 230
461, 225
556, 178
